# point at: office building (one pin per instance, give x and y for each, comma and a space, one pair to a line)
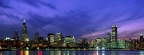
108, 37
58, 37
141, 38
16, 37
69, 39
114, 43
36, 37
51, 37
122, 44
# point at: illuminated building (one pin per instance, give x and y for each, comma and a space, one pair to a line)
36, 37
80, 40
134, 44
114, 37
141, 46
70, 41
51, 37
141, 38
7, 38
58, 37
92, 43
108, 37
98, 43
108, 40
104, 43
122, 44
24, 31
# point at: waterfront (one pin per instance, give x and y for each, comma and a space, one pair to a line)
77, 52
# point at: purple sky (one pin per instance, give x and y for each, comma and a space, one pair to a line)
81, 18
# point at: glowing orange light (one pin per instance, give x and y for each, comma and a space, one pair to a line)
39, 44
21, 42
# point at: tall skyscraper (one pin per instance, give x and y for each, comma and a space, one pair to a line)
36, 37
141, 38
114, 36
24, 31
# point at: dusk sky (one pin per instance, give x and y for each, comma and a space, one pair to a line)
80, 18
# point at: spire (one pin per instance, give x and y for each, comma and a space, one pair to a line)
24, 21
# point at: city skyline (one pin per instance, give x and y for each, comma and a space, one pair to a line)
82, 19
110, 35
60, 42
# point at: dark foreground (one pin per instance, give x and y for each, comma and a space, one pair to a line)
71, 52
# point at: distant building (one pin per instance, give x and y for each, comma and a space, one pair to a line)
104, 43
108, 40
51, 37
16, 37
122, 44
134, 44
80, 41
108, 37
69, 39
36, 37
58, 36
41, 39
141, 38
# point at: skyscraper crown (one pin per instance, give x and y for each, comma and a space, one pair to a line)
24, 21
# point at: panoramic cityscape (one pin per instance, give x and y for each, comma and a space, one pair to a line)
71, 27
59, 42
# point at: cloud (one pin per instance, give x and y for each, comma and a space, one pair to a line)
81, 18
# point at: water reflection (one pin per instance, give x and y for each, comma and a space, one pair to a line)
141, 53
21, 52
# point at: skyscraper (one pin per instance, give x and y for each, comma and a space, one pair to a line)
58, 37
16, 37
24, 31
51, 37
114, 36
141, 38
109, 37
36, 37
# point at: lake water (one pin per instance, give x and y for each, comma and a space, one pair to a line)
77, 52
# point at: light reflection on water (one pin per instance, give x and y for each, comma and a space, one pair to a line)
71, 52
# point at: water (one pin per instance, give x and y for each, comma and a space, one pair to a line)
78, 52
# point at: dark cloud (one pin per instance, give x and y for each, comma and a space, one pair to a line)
3, 4
48, 5
31, 2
